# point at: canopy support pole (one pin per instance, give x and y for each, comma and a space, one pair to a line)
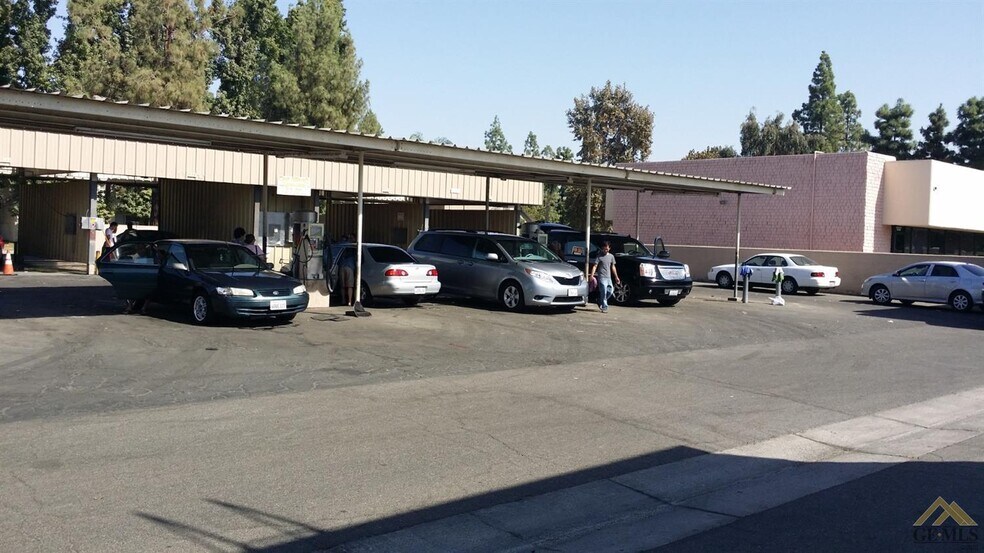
358, 310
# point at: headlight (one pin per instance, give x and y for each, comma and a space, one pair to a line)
234, 291
582, 278
647, 270
686, 270
539, 274
299, 289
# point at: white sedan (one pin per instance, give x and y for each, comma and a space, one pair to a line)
959, 284
801, 273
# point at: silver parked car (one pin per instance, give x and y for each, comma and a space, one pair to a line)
959, 284
513, 270
387, 272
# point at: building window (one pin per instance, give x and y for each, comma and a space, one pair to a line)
936, 241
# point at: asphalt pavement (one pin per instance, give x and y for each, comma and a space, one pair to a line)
415, 428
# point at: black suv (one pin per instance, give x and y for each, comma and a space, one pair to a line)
643, 275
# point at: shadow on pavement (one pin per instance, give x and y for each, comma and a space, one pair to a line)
936, 315
679, 498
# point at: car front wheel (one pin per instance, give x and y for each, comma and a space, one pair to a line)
880, 295
724, 280
961, 301
201, 309
511, 296
622, 294
789, 286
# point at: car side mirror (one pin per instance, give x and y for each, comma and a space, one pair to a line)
178, 266
492, 256
663, 254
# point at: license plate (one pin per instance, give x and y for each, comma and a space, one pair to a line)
278, 305
672, 292
420, 290
572, 292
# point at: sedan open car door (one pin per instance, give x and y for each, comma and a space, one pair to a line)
132, 268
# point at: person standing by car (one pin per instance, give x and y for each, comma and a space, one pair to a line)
239, 235
250, 243
604, 270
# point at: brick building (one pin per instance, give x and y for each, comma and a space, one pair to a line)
852, 202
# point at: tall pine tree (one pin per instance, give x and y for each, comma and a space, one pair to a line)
773, 137
319, 83
968, 136
853, 129
933, 144
96, 55
822, 116
24, 43
495, 139
894, 125
249, 35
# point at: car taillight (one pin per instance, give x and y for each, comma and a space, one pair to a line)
432, 272
817, 274
396, 272
837, 274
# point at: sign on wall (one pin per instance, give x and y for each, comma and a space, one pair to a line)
293, 186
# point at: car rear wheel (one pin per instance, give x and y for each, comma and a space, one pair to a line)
622, 294
201, 309
724, 280
880, 295
365, 295
789, 286
511, 296
961, 301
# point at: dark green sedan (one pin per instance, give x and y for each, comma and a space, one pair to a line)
212, 278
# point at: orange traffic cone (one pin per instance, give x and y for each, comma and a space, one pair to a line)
8, 265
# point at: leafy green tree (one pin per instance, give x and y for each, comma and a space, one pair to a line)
853, 129
95, 56
370, 124
772, 138
173, 53
894, 126
24, 43
822, 116
712, 152
495, 139
249, 35
530, 147
132, 203
564, 153
933, 144
319, 83
548, 152
612, 128
968, 136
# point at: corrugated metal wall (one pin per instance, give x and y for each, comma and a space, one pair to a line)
205, 210
69, 153
473, 219
49, 220
386, 223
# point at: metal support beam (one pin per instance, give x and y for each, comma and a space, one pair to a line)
94, 235
638, 196
427, 214
488, 189
357, 309
587, 231
263, 200
737, 246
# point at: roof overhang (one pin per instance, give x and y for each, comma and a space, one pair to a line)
33, 110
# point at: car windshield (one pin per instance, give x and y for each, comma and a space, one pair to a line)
221, 257
385, 254
526, 250
975, 270
622, 245
802, 260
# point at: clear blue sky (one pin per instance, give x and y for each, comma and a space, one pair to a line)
447, 67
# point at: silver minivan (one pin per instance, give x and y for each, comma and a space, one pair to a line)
515, 271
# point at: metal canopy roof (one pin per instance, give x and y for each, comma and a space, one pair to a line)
32, 110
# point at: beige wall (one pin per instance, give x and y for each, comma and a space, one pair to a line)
49, 220
69, 153
854, 267
931, 194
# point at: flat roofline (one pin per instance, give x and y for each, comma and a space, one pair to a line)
53, 112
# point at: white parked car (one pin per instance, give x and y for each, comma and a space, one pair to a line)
959, 284
801, 273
